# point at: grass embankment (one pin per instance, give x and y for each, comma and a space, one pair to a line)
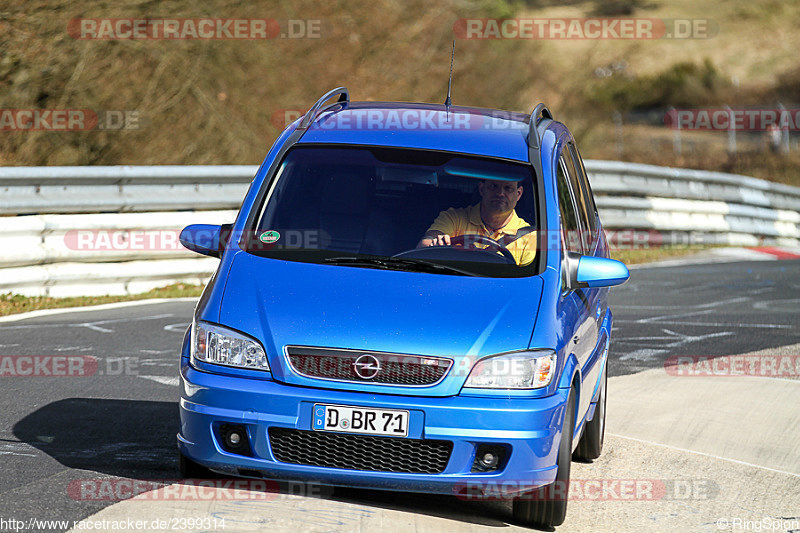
637, 257
11, 304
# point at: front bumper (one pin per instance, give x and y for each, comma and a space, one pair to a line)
530, 428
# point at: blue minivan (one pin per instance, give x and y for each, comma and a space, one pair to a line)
412, 297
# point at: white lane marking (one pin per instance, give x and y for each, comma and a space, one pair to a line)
745, 463
659, 307
705, 305
94, 325
151, 361
644, 354
4, 452
18, 449
724, 302
769, 305
630, 340
156, 352
737, 325
711, 324
90, 325
703, 309
180, 327
652, 319
73, 348
164, 380
678, 339
87, 308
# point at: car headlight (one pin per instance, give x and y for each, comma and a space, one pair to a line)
222, 346
519, 370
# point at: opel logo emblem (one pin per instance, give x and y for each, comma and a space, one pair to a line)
366, 366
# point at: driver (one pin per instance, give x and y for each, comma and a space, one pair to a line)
493, 217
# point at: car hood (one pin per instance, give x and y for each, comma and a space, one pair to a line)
292, 303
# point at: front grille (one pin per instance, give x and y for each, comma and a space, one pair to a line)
395, 369
360, 452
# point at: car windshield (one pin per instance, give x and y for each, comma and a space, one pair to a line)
382, 207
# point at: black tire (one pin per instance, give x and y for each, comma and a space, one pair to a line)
546, 507
591, 444
191, 470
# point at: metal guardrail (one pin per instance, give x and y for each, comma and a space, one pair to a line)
156, 188
95, 238
635, 179
53, 203
35, 190
722, 208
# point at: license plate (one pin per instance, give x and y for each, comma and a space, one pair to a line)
344, 419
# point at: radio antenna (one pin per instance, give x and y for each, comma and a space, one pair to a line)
447, 101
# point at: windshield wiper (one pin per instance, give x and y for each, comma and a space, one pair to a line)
393, 263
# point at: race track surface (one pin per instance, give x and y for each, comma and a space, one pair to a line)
121, 421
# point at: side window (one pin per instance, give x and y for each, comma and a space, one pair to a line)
566, 206
586, 189
580, 198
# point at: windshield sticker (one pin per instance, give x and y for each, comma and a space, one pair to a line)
269, 236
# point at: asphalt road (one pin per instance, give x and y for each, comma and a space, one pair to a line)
703, 310
121, 421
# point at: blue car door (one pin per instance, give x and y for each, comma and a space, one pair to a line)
578, 307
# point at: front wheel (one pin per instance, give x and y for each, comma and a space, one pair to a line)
591, 444
547, 506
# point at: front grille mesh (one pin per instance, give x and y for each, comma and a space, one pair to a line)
360, 452
395, 369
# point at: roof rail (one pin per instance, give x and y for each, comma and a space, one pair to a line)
540, 112
316, 109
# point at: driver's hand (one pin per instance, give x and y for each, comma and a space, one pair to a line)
435, 240
441, 240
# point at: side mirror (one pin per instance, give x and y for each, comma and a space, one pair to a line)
206, 239
599, 272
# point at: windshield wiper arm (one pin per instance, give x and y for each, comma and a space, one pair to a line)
393, 263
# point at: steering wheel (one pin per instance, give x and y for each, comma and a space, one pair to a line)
481, 239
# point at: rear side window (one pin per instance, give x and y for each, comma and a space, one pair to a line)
586, 191
569, 216
580, 199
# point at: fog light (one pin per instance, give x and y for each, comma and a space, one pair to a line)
233, 438
490, 457
489, 461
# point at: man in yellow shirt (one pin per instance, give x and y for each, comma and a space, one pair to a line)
493, 217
